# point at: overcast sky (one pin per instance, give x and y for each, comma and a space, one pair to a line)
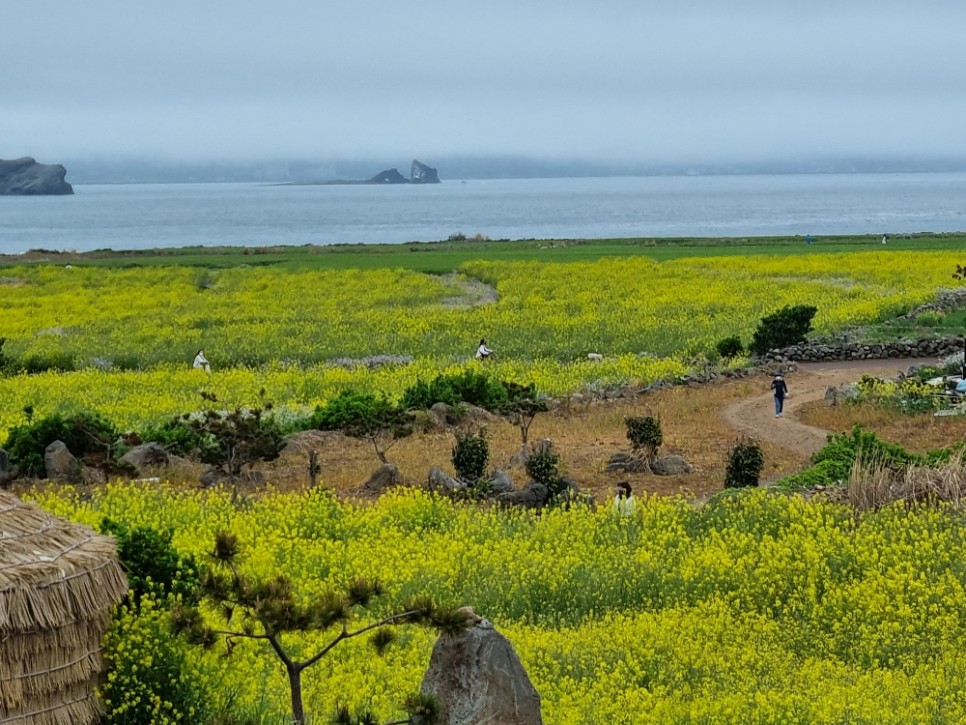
651, 80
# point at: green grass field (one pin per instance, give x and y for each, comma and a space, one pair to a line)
442, 257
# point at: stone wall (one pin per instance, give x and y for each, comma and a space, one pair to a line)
824, 352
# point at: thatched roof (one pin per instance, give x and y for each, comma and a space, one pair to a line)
58, 583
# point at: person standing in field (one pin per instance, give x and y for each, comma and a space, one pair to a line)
483, 352
781, 392
884, 238
624, 503
201, 362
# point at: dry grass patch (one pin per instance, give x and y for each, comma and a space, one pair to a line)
917, 433
584, 435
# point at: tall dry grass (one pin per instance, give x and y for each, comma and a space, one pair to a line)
872, 485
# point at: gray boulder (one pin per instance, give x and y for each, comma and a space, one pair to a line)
440, 482
25, 177
533, 496
670, 466
442, 415
477, 678
386, 476
145, 456
500, 482
59, 463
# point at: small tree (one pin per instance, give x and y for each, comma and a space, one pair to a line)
231, 440
644, 433
365, 416
522, 405
787, 326
268, 611
745, 464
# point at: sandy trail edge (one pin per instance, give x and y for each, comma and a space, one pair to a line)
756, 416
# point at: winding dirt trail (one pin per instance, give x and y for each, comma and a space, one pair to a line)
756, 416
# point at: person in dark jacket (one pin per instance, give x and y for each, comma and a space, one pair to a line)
781, 392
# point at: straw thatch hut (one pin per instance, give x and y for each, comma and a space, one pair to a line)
58, 582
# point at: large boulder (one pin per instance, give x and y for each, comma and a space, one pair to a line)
670, 466
440, 482
533, 496
386, 476
477, 677
59, 463
500, 482
145, 456
25, 177
423, 174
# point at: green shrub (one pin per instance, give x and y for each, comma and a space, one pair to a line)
153, 565
745, 464
543, 466
787, 326
832, 465
231, 440
86, 435
351, 409
471, 453
176, 436
644, 433
469, 386
729, 347
5, 362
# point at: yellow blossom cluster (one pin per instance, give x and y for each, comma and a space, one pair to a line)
301, 336
755, 608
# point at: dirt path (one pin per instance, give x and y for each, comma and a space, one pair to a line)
756, 416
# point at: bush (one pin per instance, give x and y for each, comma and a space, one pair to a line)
231, 440
644, 433
84, 434
787, 326
351, 409
543, 467
469, 386
176, 436
153, 565
471, 453
744, 464
729, 347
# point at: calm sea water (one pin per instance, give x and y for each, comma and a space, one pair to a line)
142, 216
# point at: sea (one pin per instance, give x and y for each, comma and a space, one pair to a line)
147, 216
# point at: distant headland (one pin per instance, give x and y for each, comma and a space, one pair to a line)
25, 177
419, 173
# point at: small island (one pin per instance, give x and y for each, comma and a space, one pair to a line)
419, 173
25, 177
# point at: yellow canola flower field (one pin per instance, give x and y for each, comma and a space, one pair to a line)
127, 336
755, 608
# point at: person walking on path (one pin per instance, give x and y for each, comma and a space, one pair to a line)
201, 362
781, 392
483, 352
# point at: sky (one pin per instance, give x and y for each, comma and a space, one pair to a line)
688, 81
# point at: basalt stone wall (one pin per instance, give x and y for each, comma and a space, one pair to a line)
821, 352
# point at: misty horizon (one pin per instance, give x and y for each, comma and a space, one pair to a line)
654, 83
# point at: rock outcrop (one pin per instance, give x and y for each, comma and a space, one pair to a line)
389, 176
478, 678
423, 174
25, 177
59, 463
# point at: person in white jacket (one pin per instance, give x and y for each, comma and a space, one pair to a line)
201, 362
483, 352
624, 503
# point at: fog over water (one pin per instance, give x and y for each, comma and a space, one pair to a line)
652, 82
